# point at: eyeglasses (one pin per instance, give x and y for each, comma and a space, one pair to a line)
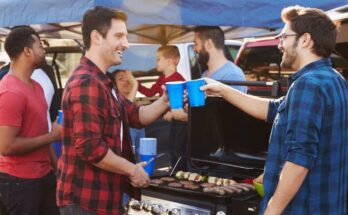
283, 36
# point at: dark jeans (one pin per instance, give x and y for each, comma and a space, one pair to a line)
74, 210
28, 196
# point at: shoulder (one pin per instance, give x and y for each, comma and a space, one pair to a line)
11, 85
230, 72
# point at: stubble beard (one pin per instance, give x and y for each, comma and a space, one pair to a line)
290, 57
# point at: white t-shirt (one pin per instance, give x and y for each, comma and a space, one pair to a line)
42, 78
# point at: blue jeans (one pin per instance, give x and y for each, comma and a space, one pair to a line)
28, 196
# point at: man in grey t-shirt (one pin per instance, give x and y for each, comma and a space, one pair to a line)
209, 44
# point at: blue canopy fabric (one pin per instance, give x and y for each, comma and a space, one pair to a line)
245, 13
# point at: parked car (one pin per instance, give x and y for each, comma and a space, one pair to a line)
260, 60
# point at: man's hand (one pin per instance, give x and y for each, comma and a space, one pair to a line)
214, 88
139, 178
259, 179
168, 116
164, 97
56, 131
131, 79
180, 114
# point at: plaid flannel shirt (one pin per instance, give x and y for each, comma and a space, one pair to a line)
310, 129
91, 125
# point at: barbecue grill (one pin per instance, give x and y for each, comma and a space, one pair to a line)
223, 142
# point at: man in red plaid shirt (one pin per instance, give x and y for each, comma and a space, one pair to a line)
97, 164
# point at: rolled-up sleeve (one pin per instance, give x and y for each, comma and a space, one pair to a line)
304, 123
87, 102
272, 109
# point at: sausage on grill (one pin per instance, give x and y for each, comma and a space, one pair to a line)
175, 184
191, 186
156, 181
168, 179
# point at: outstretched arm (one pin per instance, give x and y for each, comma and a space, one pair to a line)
252, 105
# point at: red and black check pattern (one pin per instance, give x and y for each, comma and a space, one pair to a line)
91, 126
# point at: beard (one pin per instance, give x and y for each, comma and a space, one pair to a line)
203, 57
289, 57
42, 62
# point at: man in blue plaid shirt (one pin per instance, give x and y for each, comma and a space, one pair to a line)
306, 170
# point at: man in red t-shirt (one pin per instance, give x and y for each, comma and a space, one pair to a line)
27, 180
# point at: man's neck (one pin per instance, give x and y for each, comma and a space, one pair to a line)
97, 59
306, 59
216, 60
22, 70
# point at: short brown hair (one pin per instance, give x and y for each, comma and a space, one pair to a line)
315, 22
215, 33
170, 52
99, 18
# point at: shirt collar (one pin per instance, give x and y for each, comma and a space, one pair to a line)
324, 62
95, 69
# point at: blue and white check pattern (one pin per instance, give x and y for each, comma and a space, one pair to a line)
310, 129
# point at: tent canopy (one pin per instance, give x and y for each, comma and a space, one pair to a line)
155, 21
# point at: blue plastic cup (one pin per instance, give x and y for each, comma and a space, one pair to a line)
196, 96
175, 91
57, 146
148, 150
60, 117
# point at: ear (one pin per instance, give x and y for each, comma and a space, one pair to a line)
95, 37
27, 51
208, 44
306, 40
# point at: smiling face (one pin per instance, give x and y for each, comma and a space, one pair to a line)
288, 43
114, 43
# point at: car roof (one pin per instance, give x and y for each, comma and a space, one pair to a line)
262, 42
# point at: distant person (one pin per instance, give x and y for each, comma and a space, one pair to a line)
28, 183
127, 86
306, 171
168, 58
209, 44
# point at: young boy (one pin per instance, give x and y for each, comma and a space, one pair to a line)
167, 60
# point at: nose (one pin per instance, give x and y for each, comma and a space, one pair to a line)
125, 43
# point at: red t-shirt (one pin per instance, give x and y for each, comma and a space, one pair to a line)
24, 107
156, 87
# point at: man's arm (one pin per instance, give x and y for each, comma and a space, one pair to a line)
149, 113
290, 181
252, 105
113, 163
11, 144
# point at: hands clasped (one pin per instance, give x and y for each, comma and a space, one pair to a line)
139, 178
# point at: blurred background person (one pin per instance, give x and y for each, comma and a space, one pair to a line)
127, 86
